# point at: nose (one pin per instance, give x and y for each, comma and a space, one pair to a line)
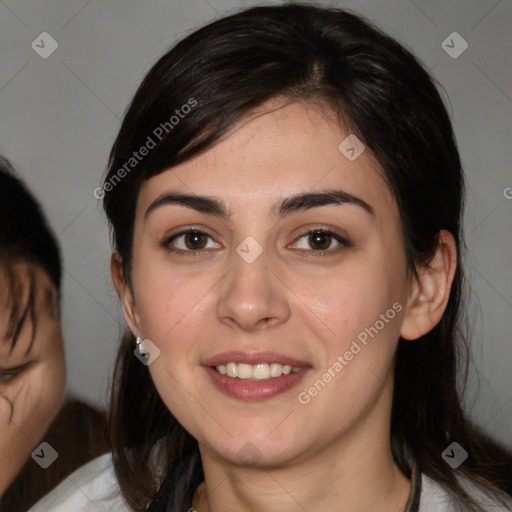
252, 297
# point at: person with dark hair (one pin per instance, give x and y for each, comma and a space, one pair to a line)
32, 368
285, 195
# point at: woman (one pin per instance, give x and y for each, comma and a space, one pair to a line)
285, 196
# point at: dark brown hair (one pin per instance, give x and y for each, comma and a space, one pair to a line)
25, 238
387, 98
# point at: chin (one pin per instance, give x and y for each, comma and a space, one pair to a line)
258, 450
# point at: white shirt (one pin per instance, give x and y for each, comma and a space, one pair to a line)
94, 488
91, 488
434, 498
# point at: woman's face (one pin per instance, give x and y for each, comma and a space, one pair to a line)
264, 292
32, 374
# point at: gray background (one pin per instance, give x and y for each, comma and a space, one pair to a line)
59, 117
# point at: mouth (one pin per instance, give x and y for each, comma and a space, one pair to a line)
255, 376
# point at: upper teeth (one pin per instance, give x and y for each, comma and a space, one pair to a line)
258, 371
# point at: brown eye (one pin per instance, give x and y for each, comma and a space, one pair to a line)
190, 241
320, 241
195, 240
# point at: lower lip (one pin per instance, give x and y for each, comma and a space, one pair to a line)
255, 390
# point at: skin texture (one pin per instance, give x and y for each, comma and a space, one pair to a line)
332, 453
29, 397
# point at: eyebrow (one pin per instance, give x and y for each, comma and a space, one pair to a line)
293, 204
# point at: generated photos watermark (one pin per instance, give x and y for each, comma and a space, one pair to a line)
146, 352
45, 455
151, 142
454, 455
356, 346
351, 147
249, 454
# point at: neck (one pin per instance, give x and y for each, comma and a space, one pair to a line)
385, 490
354, 473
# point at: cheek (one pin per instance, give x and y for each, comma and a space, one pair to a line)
37, 398
347, 301
167, 302
174, 314
52, 375
27, 408
178, 314
361, 308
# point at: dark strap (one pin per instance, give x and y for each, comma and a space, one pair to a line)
179, 485
413, 504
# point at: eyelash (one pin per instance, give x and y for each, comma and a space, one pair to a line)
321, 253
9, 374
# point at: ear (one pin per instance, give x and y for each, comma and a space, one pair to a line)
125, 294
431, 289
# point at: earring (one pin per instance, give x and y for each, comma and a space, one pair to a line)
140, 345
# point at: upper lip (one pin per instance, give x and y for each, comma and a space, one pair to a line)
253, 358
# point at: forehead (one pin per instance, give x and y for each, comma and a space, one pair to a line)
275, 151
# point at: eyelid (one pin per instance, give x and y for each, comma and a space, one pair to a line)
180, 230
15, 370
